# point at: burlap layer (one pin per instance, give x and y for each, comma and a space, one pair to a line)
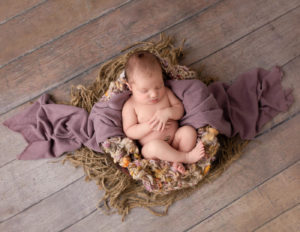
122, 193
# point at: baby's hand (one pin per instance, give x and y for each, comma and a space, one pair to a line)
159, 120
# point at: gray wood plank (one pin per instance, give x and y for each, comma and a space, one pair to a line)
46, 23
70, 204
76, 204
262, 160
25, 183
286, 222
263, 203
10, 9
217, 36
275, 43
69, 56
241, 69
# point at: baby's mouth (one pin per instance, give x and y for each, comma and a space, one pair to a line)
154, 100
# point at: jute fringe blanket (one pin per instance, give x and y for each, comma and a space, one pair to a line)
122, 193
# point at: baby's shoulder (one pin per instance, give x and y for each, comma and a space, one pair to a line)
129, 105
168, 89
169, 92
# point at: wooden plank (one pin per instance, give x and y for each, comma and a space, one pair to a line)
231, 21
292, 69
234, 51
62, 208
7, 155
38, 72
253, 209
69, 56
275, 43
47, 22
286, 222
24, 183
258, 164
282, 32
10, 9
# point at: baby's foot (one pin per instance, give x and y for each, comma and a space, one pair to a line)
196, 154
179, 167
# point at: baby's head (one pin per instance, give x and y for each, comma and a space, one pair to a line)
144, 77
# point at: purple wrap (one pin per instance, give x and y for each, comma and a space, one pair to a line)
243, 107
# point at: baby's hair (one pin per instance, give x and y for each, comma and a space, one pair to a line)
141, 59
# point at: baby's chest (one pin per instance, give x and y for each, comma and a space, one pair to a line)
144, 113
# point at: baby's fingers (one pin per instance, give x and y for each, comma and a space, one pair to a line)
153, 123
152, 119
157, 126
163, 126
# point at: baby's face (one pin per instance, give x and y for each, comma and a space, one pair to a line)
147, 88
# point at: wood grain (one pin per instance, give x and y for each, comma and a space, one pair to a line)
286, 222
275, 43
263, 203
45, 23
262, 160
291, 70
39, 196
25, 183
87, 46
58, 210
230, 21
10, 9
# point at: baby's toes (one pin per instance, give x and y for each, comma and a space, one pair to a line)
181, 168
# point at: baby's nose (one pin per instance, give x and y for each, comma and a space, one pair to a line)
153, 94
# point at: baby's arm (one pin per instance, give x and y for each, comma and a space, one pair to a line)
176, 109
131, 127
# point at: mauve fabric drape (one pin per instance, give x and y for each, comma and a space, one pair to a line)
242, 107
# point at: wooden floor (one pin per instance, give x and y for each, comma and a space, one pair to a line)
47, 46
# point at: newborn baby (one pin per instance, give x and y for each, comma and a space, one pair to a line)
150, 115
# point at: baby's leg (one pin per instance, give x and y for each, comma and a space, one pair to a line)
184, 140
162, 150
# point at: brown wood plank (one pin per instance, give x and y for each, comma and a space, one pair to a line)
229, 22
10, 9
72, 54
255, 167
23, 184
47, 22
282, 32
62, 208
16, 96
117, 218
275, 43
258, 164
231, 52
291, 70
286, 222
265, 202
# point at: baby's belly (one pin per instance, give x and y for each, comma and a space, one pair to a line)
166, 135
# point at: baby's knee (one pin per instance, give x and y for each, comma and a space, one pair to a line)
187, 138
150, 149
188, 132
